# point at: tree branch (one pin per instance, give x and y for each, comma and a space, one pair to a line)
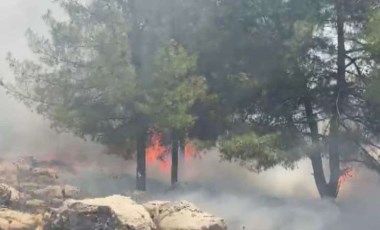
23, 96
356, 41
352, 61
369, 160
357, 68
355, 50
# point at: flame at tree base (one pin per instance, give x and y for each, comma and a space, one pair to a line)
347, 174
158, 154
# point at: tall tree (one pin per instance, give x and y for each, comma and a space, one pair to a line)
295, 74
176, 90
92, 74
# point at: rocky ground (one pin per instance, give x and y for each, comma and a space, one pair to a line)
32, 196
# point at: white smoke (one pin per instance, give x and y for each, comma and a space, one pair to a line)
274, 200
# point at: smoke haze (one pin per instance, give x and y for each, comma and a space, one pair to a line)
275, 200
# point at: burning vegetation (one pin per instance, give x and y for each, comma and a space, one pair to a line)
32, 196
158, 153
261, 81
266, 83
347, 174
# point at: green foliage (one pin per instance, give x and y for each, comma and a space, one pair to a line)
257, 152
84, 80
371, 33
373, 92
176, 89
265, 72
95, 74
268, 60
203, 145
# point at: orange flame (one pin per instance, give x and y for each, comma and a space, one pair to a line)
159, 154
190, 152
346, 175
156, 152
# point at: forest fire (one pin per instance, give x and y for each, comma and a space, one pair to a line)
347, 174
159, 154
67, 161
156, 151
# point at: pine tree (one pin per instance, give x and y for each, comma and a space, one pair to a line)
296, 74
176, 90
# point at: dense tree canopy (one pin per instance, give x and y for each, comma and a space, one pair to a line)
268, 81
304, 69
94, 76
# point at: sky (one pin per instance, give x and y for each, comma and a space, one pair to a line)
15, 17
22, 131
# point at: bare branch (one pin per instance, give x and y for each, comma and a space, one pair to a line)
359, 72
355, 50
352, 61
356, 41
369, 160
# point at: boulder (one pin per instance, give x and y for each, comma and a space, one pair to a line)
57, 191
130, 214
81, 216
153, 207
182, 215
110, 211
9, 195
8, 174
14, 220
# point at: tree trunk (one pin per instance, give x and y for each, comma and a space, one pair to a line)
174, 167
182, 149
334, 159
315, 156
136, 44
141, 163
334, 154
326, 190
331, 189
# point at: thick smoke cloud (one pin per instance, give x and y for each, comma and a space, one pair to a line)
20, 130
275, 200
